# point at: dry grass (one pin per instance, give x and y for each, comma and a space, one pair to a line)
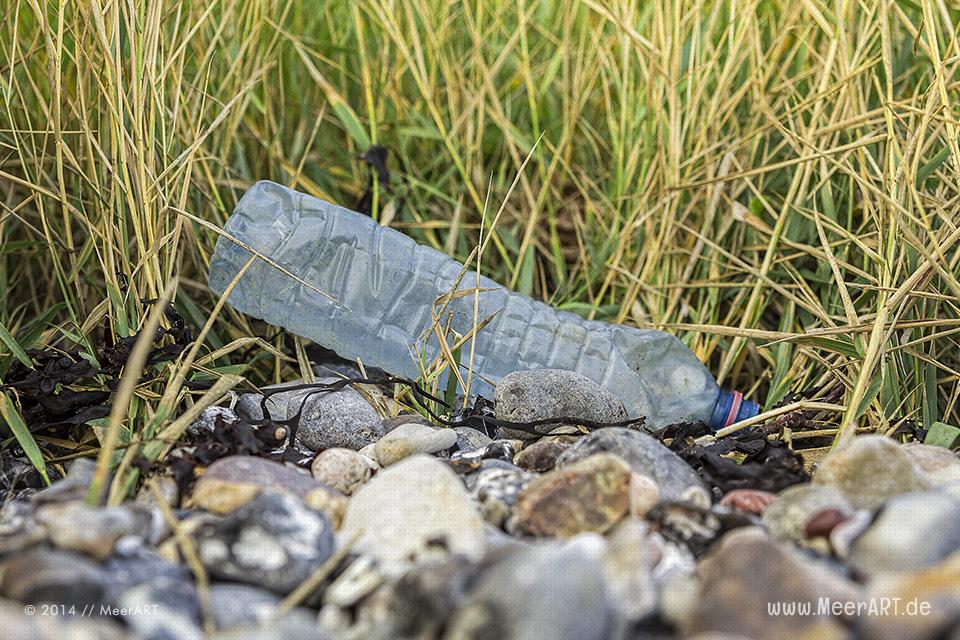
775, 181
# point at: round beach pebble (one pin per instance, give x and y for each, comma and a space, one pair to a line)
342, 469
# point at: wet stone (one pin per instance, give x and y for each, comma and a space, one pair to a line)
589, 495
275, 541
646, 456
538, 394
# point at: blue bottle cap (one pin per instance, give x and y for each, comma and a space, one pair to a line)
732, 407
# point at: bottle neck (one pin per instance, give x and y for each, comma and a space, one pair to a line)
731, 408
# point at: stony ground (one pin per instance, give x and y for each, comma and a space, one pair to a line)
401, 528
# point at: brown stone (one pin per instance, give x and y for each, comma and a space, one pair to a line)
589, 495
541, 456
230, 483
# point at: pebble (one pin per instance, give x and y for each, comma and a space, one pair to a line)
295, 624
647, 456
163, 608
941, 465
410, 439
629, 558
548, 591
644, 494
912, 531
19, 528
361, 578
231, 482
497, 490
343, 469
588, 495
342, 418
748, 500
744, 572
937, 587
74, 526
538, 394
274, 541
541, 456
786, 518
414, 510
51, 576
870, 470
233, 604
471, 439
470, 479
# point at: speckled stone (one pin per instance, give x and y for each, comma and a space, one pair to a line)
870, 470
342, 469
414, 510
646, 456
589, 495
274, 541
537, 394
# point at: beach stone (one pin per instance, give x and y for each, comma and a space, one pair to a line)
788, 515
936, 588
19, 528
297, 624
274, 541
547, 591
646, 456
169, 492
752, 501
588, 495
129, 568
746, 571
470, 479
497, 490
18, 625
912, 531
52, 576
630, 555
233, 604
541, 456
870, 470
361, 578
343, 469
644, 494
413, 510
74, 526
471, 439
941, 465
410, 439
538, 394
161, 609
342, 418
231, 482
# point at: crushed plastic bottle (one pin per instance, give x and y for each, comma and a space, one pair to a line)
382, 287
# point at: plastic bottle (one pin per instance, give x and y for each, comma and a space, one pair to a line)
385, 286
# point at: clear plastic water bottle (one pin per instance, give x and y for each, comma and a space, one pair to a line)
384, 285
